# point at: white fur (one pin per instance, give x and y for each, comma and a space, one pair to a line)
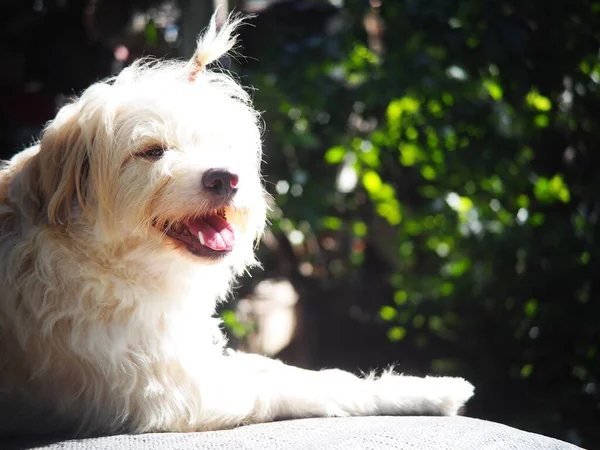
102, 319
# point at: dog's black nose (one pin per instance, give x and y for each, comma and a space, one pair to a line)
221, 182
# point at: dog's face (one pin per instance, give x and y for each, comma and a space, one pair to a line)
158, 157
186, 169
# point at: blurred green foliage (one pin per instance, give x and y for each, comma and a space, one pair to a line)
457, 141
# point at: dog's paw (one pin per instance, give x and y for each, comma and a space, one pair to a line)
398, 394
449, 394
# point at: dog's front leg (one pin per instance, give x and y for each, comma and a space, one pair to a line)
262, 389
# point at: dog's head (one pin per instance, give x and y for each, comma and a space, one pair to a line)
167, 153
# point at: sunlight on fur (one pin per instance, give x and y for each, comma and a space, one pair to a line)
119, 234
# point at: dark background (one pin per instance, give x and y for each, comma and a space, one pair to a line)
435, 169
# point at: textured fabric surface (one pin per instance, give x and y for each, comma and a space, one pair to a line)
406, 433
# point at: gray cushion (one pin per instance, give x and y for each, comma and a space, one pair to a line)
431, 433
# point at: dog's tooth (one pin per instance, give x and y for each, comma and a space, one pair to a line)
201, 238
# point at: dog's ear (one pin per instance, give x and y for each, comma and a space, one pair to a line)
55, 179
215, 42
64, 169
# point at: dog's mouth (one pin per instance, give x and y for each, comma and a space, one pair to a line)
210, 235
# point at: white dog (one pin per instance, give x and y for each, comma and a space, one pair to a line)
119, 234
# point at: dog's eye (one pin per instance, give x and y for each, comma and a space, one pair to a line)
153, 153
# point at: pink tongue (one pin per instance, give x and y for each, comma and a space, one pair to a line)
216, 232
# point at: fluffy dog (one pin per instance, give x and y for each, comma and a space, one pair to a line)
121, 231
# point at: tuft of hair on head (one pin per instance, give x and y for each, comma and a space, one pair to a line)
215, 42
